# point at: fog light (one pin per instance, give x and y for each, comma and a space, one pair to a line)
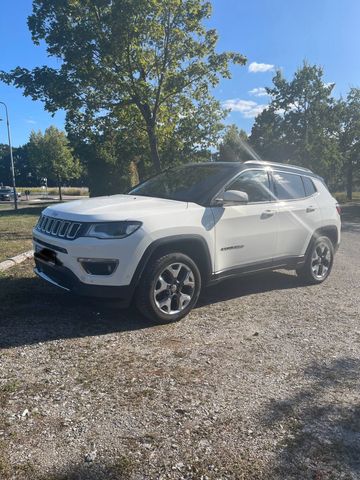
98, 266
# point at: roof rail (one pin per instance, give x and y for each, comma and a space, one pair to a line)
277, 164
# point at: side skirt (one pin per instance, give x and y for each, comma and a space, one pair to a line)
288, 263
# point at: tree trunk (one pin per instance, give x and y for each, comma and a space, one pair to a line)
154, 148
133, 173
349, 179
60, 192
141, 170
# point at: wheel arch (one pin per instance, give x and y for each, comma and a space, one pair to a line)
195, 246
329, 231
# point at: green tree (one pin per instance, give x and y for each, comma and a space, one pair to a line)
51, 156
111, 146
155, 58
301, 124
5, 175
108, 148
23, 172
350, 137
234, 146
268, 137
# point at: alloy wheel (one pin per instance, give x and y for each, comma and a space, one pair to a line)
321, 261
174, 288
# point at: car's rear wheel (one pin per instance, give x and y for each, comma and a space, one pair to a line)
319, 261
169, 288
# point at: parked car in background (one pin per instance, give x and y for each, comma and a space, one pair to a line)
7, 194
189, 227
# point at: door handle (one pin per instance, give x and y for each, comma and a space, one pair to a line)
310, 209
268, 213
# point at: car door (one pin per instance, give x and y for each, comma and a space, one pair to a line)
297, 211
246, 234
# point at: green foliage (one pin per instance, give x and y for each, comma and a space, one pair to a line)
108, 150
5, 175
301, 124
51, 156
145, 68
27, 172
23, 171
234, 146
350, 138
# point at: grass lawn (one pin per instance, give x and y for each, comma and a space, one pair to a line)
16, 229
80, 191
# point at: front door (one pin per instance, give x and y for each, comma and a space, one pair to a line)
246, 234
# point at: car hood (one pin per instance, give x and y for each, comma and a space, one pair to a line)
113, 208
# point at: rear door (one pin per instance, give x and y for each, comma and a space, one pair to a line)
246, 234
297, 210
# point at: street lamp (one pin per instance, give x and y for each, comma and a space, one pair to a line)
11, 156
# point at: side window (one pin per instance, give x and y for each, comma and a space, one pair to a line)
288, 186
309, 186
253, 182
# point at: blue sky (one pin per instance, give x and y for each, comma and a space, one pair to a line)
276, 33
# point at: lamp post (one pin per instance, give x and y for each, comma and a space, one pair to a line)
11, 156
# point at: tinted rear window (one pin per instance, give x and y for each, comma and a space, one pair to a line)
288, 186
309, 186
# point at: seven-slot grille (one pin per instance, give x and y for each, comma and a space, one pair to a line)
58, 228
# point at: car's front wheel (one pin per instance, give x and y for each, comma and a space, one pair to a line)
319, 261
169, 288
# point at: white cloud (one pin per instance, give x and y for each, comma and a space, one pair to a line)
248, 108
291, 107
259, 92
29, 120
255, 67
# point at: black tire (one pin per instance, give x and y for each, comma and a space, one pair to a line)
319, 257
148, 302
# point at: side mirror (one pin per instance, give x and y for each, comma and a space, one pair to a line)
233, 197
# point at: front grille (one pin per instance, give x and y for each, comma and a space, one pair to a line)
58, 228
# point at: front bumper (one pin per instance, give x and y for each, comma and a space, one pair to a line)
127, 252
65, 279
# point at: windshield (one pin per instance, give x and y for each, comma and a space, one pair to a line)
187, 183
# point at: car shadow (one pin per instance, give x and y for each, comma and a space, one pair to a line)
32, 311
238, 287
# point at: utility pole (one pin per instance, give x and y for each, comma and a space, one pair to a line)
11, 156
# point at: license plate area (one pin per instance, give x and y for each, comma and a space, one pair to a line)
46, 255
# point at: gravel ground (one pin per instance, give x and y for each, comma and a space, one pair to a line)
261, 381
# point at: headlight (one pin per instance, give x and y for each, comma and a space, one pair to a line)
112, 229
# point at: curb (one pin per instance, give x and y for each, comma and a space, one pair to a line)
10, 262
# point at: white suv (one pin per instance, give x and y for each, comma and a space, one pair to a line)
187, 228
